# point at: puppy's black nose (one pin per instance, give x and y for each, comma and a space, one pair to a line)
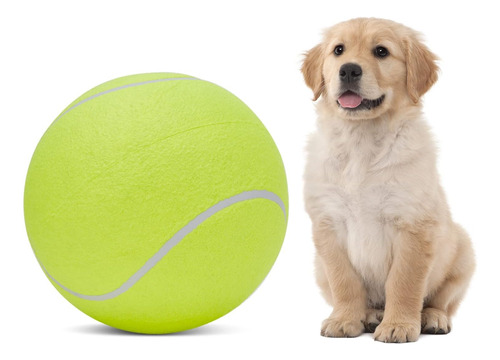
350, 73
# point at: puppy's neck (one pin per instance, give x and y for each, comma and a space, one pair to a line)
360, 146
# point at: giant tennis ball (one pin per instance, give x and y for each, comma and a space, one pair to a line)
156, 203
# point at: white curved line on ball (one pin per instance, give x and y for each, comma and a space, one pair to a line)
177, 238
123, 87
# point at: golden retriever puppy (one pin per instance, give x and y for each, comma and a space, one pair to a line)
390, 259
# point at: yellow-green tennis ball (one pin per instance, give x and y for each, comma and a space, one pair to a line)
156, 203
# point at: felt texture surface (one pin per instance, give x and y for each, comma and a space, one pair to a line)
115, 177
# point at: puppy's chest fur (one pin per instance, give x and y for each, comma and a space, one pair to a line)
363, 189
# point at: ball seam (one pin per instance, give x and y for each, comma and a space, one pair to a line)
126, 86
176, 239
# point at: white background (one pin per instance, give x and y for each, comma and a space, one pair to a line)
51, 52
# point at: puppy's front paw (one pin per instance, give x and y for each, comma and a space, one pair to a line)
333, 327
397, 332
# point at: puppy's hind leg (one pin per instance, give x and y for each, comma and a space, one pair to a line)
438, 309
373, 319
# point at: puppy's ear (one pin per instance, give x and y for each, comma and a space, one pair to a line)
312, 70
421, 68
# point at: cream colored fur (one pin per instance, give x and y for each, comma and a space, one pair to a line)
386, 244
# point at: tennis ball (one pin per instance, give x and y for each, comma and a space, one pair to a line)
156, 203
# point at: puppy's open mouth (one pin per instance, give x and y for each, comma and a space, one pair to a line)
352, 101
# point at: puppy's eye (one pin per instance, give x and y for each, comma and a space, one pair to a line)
381, 52
339, 49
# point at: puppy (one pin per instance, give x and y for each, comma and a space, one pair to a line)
390, 259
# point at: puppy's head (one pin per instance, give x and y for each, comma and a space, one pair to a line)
367, 67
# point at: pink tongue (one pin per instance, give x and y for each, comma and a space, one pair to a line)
350, 100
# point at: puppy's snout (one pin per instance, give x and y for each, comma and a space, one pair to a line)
350, 73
